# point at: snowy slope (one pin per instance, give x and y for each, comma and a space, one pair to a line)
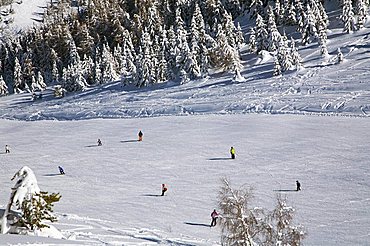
322, 86
110, 193
27, 13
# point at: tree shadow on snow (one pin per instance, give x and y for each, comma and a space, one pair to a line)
152, 195
130, 141
285, 190
196, 224
220, 159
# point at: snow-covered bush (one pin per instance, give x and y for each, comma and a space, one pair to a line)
37, 209
31, 207
243, 224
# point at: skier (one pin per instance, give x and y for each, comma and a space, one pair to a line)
214, 216
232, 152
7, 149
99, 142
164, 189
298, 185
140, 134
61, 170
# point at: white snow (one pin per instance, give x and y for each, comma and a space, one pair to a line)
311, 125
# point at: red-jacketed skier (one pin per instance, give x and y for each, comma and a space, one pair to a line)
214, 216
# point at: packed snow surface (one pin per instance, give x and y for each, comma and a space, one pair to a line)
310, 125
110, 193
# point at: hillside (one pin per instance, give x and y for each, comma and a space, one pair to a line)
280, 126
320, 87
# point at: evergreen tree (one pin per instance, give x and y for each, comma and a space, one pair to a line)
256, 8
362, 10
322, 26
107, 66
19, 84
261, 34
228, 56
38, 209
252, 41
348, 17
274, 36
309, 26
277, 67
283, 54
290, 14
3, 87
296, 58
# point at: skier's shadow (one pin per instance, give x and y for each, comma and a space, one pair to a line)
89, 146
197, 224
130, 141
53, 174
284, 190
151, 195
219, 159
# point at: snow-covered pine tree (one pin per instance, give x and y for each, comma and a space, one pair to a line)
239, 38
309, 27
252, 41
284, 54
35, 206
296, 58
228, 57
348, 17
362, 12
274, 37
40, 81
261, 34
3, 87
191, 65
182, 47
278, 12
37, 209
107, 65
27, 70
19, 84
301, 16
54, 67
322, 26
256, 8
290, 14
277, 67
201, 38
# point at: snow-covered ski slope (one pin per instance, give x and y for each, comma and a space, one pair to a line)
110, 194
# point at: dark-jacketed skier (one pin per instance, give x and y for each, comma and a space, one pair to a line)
61, 170
298, 185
